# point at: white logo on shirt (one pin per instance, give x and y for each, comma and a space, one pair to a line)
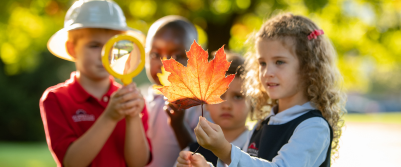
252, 150
81, 115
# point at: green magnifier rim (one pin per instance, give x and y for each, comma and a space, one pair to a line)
125, 78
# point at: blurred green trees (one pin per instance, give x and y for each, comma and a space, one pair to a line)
365, 33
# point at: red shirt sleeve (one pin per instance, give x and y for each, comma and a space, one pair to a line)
145, 117
59, 135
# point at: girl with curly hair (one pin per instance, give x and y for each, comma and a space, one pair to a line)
293, 84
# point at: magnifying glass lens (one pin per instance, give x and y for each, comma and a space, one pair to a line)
124, 57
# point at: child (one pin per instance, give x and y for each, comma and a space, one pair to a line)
230, 115
168, 37
89, 120
293, 70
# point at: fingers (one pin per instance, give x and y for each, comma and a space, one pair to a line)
184, 158
126, 89
168, 109
132, 106
172, 109
174, 106
131, 85
201, 136
126, 94
181, 165
206, 126
215, 127
198, 160
134, 94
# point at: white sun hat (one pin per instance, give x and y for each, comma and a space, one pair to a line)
90, 14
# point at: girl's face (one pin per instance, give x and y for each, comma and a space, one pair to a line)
279, 69
232, 113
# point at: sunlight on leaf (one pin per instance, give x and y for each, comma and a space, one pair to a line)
201, 82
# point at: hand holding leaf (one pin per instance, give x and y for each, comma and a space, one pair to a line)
201, 82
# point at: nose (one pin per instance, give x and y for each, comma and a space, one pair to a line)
162, 57
226, 105
268, 72
159, 66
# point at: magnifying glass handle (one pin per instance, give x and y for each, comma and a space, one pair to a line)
126, 81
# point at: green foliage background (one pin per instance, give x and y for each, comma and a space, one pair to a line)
365, 33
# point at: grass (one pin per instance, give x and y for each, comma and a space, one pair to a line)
25, 154
15, 154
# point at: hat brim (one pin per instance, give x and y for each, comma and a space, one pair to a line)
57, 43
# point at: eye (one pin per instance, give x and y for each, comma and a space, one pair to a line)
262, 64
279, 62
94, 45
238, 97
154, 55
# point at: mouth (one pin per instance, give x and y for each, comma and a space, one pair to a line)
272, 85
226, 115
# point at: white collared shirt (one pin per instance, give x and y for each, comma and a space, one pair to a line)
307, 147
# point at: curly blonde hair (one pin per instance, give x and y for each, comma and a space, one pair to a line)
318, 72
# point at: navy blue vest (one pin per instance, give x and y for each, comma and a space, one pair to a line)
268, 140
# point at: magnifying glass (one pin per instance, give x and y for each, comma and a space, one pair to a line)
123, 56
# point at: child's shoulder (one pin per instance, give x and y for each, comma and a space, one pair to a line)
59, 89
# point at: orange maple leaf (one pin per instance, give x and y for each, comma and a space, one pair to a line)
201, 82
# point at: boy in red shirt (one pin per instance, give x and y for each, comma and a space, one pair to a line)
90, 120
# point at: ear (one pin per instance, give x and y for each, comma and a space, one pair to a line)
70, 49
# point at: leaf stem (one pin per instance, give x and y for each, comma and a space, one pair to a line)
202, 108
199, 144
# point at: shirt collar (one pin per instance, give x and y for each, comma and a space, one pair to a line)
81, 95
240, 140
289, 114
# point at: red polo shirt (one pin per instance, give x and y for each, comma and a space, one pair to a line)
68, 111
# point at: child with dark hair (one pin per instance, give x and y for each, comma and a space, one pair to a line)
167, 38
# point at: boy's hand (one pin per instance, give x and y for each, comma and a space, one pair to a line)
186, 159
136, 102
211, 137
126, 101
176, 116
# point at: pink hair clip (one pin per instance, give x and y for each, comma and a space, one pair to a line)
315, 33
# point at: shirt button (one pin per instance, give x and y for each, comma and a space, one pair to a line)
105, 99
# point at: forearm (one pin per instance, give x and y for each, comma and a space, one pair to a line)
241, 159
224, 153
182, 134
84, 149
136, 148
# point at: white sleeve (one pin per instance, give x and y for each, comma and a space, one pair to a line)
307, 147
